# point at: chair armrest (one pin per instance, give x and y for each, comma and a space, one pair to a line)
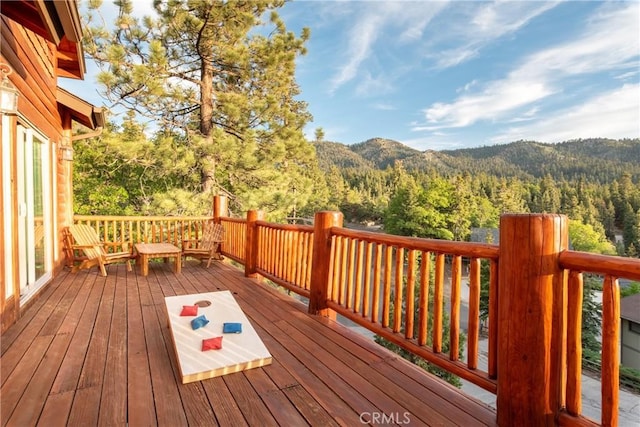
85, 246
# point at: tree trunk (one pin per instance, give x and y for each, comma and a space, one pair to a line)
206, 126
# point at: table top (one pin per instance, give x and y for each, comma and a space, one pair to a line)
156, 248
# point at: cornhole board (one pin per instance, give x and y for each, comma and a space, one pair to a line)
239, 351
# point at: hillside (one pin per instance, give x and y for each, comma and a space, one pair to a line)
339, 155
599, 160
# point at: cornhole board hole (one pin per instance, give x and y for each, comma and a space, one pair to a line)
240, 351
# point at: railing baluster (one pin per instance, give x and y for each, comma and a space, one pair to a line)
398, 282
473, 329
366, 297
454, 319
438, 299
610, 353
357, 303
387, 285
350, 282
574, 343
375, 309
338, 265
493, 320
344, 261
425, 271
410, 310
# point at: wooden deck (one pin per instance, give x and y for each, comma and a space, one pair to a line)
96, 350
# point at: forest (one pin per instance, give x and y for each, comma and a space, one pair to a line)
448, 194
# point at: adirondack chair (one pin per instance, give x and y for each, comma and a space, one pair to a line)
208, 246
85, 239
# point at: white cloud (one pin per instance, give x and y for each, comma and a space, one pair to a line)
498, 100
613, 115
363, 36
482, 24
606, 45
375, 20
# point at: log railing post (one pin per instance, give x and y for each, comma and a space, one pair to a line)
220, 207
251, 243
531, 319
321, 262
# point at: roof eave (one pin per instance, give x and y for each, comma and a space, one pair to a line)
81, 111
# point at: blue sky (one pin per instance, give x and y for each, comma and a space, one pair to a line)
448, 75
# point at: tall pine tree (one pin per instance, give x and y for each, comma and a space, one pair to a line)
212, 74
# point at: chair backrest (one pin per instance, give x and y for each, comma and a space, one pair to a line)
87, 237
212, 235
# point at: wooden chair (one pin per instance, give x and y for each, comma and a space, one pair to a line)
81, 237
208, 247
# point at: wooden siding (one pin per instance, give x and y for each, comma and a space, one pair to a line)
97, 350
32, 59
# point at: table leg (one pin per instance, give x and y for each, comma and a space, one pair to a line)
144, 268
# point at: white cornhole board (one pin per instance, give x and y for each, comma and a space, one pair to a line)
239, 351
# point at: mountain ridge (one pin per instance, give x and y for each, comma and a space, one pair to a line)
602, 159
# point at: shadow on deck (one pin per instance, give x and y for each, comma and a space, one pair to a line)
97, 350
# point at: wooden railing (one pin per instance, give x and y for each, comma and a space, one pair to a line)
384, 283
284, 255
535, 297
535, 302
235, 230
610, 268
148, 229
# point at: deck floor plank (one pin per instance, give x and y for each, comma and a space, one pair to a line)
226, 409
113, 404
30, 327
340, 368
281, 408
253, 408
165, 387
140, 404
97, 350
313, 412
42, 306
404, 391
20, 378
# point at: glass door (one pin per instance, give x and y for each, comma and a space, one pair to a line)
34, 212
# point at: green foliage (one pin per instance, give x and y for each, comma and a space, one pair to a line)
219, 85
418, 211
632, 289
591, 315
405, 354
592, 181
586, 238
630, 378
124, 173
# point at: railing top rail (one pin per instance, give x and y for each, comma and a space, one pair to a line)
616, 266
290, 227
468, 249
230, 219
138, 218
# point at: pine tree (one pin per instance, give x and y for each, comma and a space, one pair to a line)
207, 72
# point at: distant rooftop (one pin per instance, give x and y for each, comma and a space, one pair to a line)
630, 308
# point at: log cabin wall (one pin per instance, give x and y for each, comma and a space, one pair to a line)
33, 65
